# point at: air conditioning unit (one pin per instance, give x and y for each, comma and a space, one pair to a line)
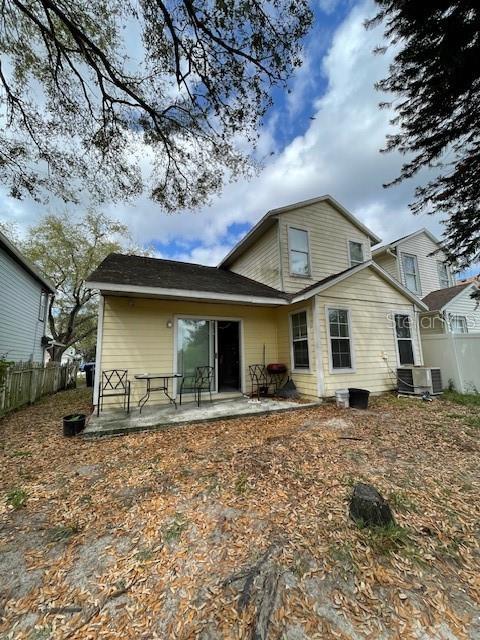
419, 380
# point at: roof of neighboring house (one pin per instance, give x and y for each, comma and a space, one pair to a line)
130, 272
436, 300
28, 266
270, 218
394, 243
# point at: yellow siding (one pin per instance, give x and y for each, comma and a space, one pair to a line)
136, 336
389, 263
421, 246
329, 232
306, 383
371, 302
261, 261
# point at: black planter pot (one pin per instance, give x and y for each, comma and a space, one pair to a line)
73, 424
358, 398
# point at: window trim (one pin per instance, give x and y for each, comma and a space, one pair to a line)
43, 316
293, 369
418, 292
292, 273
353, 368
413, 335
362, 244
440, 264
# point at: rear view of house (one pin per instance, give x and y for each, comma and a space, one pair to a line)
301, 288
24, 299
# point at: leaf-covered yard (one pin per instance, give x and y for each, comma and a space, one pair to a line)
239, 529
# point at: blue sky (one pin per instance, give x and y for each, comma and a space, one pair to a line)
321, 136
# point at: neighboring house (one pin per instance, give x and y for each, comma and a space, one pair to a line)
450, 329
417, 261
300, 289
24, 299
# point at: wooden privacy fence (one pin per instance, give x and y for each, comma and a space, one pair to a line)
25, 382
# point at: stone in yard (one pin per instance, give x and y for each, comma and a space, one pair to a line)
369, 506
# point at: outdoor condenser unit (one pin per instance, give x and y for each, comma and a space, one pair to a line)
419, 380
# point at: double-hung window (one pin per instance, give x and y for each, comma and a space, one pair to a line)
410, 271
404, 338
458, 324
443, 275
300, 355
355, 250
299, 252
340, 339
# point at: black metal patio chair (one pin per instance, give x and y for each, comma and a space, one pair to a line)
113, 383
201, 380
259, 379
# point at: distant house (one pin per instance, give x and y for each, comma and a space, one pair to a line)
450, 328
24, 299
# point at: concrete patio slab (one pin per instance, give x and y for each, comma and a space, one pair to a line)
116, 422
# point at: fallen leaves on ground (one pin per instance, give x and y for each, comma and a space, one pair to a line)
239, 529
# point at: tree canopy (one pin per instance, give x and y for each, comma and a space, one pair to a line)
435, 76
115, 96
67, 252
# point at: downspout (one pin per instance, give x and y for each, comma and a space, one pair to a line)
98, 354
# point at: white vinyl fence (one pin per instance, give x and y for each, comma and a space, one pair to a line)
25, 382
458, 356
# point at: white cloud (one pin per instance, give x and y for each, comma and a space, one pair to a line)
337, 154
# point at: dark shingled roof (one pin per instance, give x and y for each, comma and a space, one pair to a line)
438, 299
169, 274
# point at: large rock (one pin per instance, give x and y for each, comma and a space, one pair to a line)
369, 506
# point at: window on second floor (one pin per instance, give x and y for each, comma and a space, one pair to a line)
298, 252
410, 272
458, 324
42, 311
355, 250
443, 277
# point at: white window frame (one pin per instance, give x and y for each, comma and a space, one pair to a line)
292, 273
413, 334
458, 316
331, 368
440, 265
42, 309
292, 355
362, 244
418, 291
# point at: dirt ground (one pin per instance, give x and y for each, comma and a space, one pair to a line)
240, 529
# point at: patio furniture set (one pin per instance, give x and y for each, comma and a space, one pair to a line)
264, 380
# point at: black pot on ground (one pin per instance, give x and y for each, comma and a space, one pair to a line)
358, 398
73, 424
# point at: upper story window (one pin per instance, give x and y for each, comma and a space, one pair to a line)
42, 311
298, 252
443, 276
458, 324
300, 358
355, 250
411, 274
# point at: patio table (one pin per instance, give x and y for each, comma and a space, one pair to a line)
162, 385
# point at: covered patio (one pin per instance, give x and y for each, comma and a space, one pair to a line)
117, 422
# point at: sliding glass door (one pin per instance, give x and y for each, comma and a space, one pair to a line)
195, 345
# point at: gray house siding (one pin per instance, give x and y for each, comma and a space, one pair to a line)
21, 330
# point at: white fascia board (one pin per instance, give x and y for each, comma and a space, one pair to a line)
399, 286
158, 292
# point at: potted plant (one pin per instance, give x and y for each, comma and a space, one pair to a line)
73, 424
